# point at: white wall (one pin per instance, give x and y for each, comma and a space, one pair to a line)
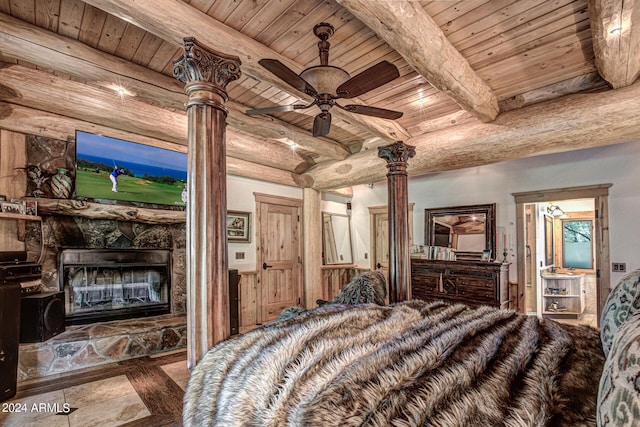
240, 198
616, 164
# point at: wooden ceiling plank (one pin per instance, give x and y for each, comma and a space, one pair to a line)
435, 8
465, 24
565, 124
203, 5
541, 58
71, 12
93, 21
5, 6
526, 22
112, 33
410, 31
47, 14
147, 49
242, 14
164, 56
455, 11
261, 21
615, 26
130, 42
550, 33
33, 44
286, 21
221, 10
24, 10
299, 37
168, 19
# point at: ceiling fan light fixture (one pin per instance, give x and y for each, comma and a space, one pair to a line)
325, 78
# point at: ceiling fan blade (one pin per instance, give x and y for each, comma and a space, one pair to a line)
372, 111
277, 109
322, 124
371, 78
288, 76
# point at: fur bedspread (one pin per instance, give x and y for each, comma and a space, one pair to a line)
409, 364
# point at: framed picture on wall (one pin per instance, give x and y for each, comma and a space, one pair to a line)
238, 226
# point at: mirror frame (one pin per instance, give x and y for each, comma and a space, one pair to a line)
324, 249
489, 210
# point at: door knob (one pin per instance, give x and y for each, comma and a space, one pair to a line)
265, 266
378, 265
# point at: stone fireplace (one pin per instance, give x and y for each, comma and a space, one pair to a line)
119, 283
107, 284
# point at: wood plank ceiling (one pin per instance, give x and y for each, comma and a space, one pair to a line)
467, 68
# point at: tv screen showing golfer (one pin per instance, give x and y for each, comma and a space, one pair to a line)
109, 168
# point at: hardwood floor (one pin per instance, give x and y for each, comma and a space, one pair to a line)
140, 392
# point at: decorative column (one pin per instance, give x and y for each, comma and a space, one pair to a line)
396, 156
206, 74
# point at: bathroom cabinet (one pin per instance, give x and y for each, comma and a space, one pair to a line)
563, 295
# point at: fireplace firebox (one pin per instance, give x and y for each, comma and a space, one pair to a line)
107, 284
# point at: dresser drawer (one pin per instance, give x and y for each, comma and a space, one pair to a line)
482, 295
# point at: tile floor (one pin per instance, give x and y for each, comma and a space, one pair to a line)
138, 392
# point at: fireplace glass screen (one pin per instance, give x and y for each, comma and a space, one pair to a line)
115, 288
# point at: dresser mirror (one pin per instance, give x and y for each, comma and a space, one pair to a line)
469, 230
336, 239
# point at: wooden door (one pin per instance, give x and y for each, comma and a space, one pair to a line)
379, 227
279, 258
381, 251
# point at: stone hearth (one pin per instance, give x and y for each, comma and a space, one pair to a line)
91, 345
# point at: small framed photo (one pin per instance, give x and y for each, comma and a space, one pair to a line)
12, 207
238, 226
486, 255
3, 198
31, 207
22, 204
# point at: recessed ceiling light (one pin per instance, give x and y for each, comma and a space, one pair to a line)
616, 31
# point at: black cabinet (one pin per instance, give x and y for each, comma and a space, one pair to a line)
9, 338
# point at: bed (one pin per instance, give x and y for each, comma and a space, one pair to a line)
407, 364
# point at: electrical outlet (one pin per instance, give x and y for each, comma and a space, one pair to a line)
239, 255
619, 267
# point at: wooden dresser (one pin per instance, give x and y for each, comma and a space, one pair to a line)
473, 283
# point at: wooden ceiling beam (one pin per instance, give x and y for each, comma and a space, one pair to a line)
30, 121
615, 29
569, 123
42, 91
173, 20
27, 42
406, 27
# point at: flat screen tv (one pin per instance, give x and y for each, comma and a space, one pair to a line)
113, 169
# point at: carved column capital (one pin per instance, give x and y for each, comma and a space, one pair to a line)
201, 64
206, 73
398, 152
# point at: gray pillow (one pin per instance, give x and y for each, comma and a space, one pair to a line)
621, 303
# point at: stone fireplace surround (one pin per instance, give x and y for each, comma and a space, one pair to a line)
104, 342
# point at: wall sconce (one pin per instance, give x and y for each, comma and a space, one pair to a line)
554, 210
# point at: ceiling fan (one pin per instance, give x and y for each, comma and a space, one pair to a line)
326, 83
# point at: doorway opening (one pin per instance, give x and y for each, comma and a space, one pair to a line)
560, 247
563, 254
